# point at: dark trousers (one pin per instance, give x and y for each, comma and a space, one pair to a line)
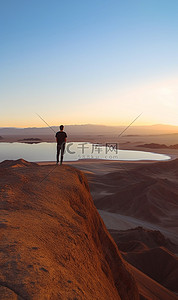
60, 147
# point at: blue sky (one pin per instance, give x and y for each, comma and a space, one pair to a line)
78, 62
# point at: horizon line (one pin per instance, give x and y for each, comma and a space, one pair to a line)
87, 124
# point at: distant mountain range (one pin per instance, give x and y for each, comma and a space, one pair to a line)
92, 129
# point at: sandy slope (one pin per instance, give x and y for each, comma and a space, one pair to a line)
106, 178
122, 222
129, 195
150, 252
54, 245
140, 237
158, 263
147, 192
150, 289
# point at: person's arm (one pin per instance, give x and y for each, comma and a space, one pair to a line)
65, 138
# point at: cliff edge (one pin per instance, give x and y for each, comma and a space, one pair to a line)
54, 244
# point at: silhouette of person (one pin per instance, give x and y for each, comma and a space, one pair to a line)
61, 138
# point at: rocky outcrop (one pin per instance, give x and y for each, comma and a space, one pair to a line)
54, 245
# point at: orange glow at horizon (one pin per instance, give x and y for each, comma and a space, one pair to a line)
157, 101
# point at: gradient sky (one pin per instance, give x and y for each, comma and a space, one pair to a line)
88, 61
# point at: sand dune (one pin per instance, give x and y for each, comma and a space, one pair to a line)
121, 222
145, 195
158, 263
150, 252
145, 192
54, 245
149, 289
142, 237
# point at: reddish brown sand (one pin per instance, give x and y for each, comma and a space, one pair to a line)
140, 194
151, 204
54, 244
147, 191
150, 252
158, 263
150, 289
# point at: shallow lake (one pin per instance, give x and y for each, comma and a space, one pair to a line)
73, 152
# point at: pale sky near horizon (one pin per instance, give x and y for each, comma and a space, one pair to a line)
92, 61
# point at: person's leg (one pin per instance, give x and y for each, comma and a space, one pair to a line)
58, 151
62, 152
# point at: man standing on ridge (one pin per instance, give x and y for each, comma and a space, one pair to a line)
61, 140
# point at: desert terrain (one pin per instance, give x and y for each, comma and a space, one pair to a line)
53, 239
138, 202
54, 244
139, 205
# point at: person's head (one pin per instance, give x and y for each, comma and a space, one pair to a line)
61, 127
